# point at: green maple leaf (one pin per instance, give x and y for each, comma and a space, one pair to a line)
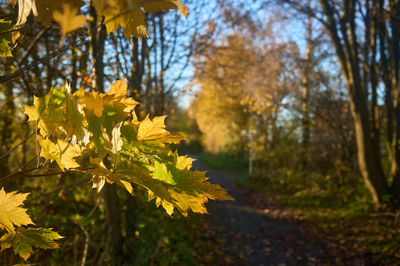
11, 212
24, 239
173, 184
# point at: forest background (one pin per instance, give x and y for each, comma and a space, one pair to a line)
301, 95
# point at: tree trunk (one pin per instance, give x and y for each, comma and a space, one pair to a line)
135, 79
113, 223
345, 43
98, 36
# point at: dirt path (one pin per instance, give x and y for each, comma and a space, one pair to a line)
252, 235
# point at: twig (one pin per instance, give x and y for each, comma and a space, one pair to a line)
32, 44
86, 245
25, 165
24, 172
40, 175
19, 144
16, 174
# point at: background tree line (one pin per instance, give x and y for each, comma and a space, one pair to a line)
330, 87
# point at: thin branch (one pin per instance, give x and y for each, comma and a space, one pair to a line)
32, 45
85, 249
24, 172
19, 144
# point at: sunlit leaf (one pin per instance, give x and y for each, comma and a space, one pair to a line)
69, 19
155, 130
11, 212
130, 15
62, 152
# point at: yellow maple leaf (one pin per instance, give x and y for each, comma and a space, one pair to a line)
183, 162
115, 96
155, 130
130, 16
152, 129
165, 6
69, 19
92, 101
11, 212
33, 111
63, 152
119, 89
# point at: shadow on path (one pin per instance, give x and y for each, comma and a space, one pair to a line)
254, 237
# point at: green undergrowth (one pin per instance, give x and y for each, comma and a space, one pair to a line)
162, 240
150, 236
222, 161
346, 211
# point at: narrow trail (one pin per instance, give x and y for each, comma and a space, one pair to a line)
252, 236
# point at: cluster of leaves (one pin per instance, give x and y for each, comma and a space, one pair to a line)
129, 14
22, 239
102, 131
99, 134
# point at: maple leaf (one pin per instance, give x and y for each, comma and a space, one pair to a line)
165, 6
33, 112
183, 162
101, 175
92, 101
69, 19
189, 190
46, 8
115, 97
23, 239
73, 124
171, 187
62, 152
155, 130
161, 173
130, 16
11, 212
136, 26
